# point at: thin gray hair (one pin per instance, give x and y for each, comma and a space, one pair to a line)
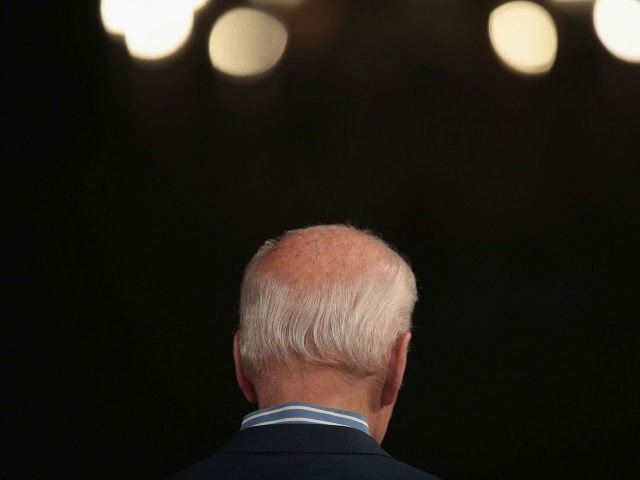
352, 325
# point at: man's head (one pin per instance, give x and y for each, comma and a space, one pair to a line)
326, 302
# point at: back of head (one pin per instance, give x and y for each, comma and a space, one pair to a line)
330, 295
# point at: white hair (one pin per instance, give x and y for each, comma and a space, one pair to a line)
352, 325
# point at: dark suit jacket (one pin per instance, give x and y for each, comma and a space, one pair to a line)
298, 451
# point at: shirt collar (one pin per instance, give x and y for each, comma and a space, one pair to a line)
297, 412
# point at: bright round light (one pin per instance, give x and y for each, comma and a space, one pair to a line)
246, 42
158, 29
524, 36
282, 4
198, 4
114, 14
617, 24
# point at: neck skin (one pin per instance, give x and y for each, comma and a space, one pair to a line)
327, 387
373, 396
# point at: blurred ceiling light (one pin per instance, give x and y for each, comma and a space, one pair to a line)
157, 29
246, 42
114, 15
617, 24
524, 37
282, 4
198, 4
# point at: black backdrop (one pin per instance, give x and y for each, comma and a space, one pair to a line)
135, 193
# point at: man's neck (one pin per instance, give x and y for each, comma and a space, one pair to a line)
329, 388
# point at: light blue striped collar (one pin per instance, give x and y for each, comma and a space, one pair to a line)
297, 412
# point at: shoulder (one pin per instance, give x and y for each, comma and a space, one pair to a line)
240, 466
388, 468
301, 452
409, 472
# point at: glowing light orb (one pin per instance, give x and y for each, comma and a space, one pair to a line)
198, 4
114, 14
617, 24
524, 37
246, 42
157, 29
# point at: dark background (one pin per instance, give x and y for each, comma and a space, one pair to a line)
134, 194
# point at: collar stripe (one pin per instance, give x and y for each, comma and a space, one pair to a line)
297, 419
305, 413
324, 411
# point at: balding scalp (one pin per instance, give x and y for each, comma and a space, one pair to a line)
328, 294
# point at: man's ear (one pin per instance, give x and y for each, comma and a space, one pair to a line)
395, 370
245, 383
